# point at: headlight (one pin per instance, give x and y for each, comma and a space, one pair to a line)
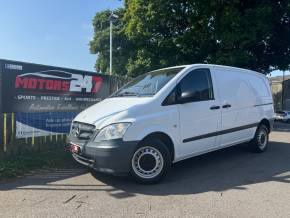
113, 131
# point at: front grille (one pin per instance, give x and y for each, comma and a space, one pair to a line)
82, 131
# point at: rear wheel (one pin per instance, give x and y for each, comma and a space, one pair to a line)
260, 141
150, 162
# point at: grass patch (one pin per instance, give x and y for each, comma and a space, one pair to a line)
21, 164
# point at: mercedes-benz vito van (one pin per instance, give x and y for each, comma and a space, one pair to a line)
171, 114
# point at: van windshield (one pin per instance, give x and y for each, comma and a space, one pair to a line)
148, 84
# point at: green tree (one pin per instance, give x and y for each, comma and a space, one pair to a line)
160, 33
100, 44
242, 33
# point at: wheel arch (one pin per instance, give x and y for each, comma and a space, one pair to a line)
267, 123
164, 138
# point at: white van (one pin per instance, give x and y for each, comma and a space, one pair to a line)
171, 114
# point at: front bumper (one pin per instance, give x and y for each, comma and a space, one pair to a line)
279, 118
112, 156
283, 119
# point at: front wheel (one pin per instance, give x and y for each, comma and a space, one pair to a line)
150, 162
260, 141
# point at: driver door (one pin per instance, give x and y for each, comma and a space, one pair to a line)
200, 113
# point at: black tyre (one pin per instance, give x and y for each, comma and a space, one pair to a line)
259, 143
150, 162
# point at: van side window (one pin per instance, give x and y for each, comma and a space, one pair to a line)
197, 85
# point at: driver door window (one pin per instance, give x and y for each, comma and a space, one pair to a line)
196, 86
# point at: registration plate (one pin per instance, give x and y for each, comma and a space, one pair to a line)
75, 148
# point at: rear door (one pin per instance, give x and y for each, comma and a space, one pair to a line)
201, 116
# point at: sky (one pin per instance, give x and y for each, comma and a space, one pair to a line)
279, 73
50, 32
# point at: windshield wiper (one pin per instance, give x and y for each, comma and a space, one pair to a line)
126, 94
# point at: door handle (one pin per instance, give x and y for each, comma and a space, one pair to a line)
227, 106
214, 107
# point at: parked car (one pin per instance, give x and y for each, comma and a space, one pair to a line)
171, 114
283, 116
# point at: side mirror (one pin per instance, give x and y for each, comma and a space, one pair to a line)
186, 97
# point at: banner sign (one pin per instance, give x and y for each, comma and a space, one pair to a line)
38, 88
43, 124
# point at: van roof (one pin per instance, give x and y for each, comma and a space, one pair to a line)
214, 65
222, 66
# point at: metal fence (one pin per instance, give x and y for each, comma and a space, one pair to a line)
10, 145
